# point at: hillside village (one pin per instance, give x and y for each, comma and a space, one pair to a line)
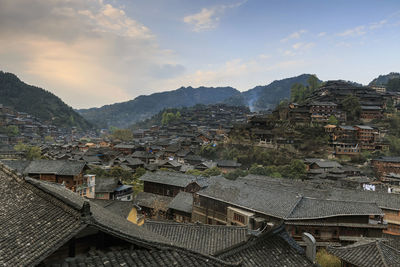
211, 184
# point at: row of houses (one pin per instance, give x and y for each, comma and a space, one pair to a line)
30, 129
333, 215
327, 101
352, 140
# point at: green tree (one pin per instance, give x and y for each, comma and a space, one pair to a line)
120, 173
393, 85
209, 151
394, 144
351, 105
313, 83
12, 130
30, 152
297, 92
33, 152
48, 139
333, 120
325, 259
235, 174
139, 172
194, 172
122, 134
297, 169
21, 147
214, 171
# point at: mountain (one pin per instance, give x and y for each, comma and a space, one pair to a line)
38, 102
267, 96
384, 79
143, 107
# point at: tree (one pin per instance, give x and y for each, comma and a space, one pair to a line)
30, 152
325, 259
120, 173
313, 83
235, 174
214, 171
351, 105
20, 147
33, 152
393, 85
297, 169
333, 120
139, 172
48, 139
297, 92
122, 134
12, 130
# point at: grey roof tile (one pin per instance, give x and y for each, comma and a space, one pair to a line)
203, 238
183, 201
370, 254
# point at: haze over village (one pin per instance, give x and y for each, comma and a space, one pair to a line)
200, 133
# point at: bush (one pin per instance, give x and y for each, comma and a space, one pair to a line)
325, 259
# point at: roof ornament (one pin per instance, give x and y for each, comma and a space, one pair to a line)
311, 246
85, 211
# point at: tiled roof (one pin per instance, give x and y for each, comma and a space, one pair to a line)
121, 208
382, 199
39, 217
183, 201
388, 159
273, 248
203, 238
59, 167
311, 208
370, 254
105, 184
150, 200
284, 203
32, 222
135, 257
171, 178
280, 203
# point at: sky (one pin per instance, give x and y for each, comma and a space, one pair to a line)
96, 52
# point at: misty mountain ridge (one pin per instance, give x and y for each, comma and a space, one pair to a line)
144, 106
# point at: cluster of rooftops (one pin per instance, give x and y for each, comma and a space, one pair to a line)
44, 223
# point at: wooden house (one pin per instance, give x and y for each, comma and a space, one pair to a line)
171, 183
69, 173
255, 203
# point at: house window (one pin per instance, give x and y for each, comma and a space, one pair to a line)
238, 218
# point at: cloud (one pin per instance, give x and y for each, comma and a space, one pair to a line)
298, 48
377, 25
295, 35
208, 18
357, 31
321, 34
88, 52
239, 73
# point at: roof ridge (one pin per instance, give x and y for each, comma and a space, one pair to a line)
194, 224
244, 244
294, 207
377, 244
